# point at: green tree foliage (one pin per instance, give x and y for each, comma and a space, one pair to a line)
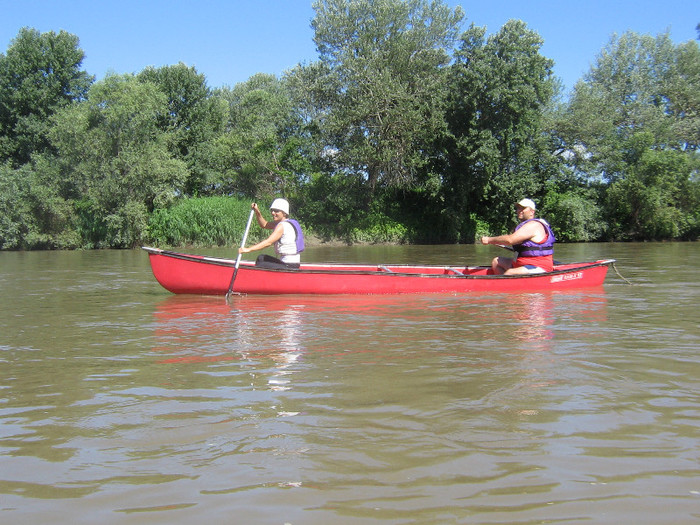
39, 74
684, 94
263, 152
115, 159
383, 139
499, 89
32, 213
382, 85
574, 215
632, 126
656, 199
193, 119
13, 212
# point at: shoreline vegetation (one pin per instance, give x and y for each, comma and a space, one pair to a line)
410, 128
219, 221
182, 227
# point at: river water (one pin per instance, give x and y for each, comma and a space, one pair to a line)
122, 403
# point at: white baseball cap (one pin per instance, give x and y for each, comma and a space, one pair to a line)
527, 203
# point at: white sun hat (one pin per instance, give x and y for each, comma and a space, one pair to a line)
281, 205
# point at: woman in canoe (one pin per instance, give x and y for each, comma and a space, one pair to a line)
286, 237
533, 240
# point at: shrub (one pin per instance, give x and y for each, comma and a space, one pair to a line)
203, 221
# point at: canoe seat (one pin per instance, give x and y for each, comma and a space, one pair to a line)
383, 268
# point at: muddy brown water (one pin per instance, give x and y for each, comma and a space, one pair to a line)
122, 403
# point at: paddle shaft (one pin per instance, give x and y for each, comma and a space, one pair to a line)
238, 259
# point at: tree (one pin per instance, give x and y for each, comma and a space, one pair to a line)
39, 75
499, 88
382, 61
683, 90
113, 161
639, 84
632, 125
262, 153
574, 215
656, 199
193, 118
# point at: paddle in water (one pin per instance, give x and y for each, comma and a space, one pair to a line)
238, 259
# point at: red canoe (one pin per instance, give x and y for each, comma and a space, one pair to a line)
196, 274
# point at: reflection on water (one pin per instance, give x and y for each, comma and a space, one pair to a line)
122, 403
182, 321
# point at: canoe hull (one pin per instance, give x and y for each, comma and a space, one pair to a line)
195, 274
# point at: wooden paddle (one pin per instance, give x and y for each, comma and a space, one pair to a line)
238, 259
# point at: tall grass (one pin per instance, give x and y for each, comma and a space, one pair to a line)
204, 221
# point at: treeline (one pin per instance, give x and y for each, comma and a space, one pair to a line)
408, 128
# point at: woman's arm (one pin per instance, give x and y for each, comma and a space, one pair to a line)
264, 223
275, 236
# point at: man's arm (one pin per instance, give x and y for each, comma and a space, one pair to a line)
531, 230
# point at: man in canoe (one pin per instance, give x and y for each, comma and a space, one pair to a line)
287, 237
532, 240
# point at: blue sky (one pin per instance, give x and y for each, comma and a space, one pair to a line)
230, 40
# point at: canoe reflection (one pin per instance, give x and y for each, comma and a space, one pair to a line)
269, 324
265, 335
534, 317
185, 321
380, 349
